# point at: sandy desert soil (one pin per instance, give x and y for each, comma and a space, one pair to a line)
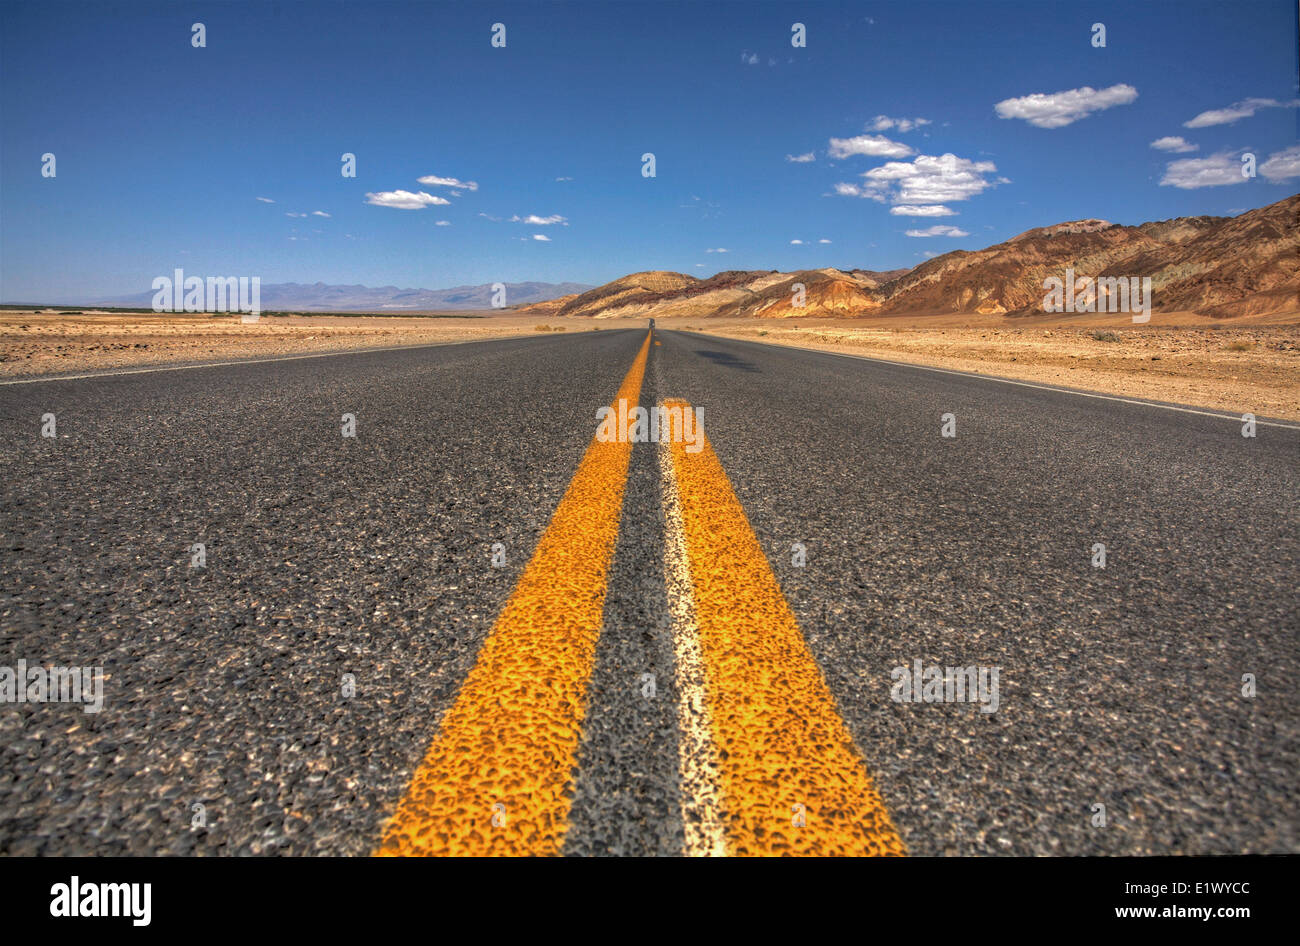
37, 343
1234, 366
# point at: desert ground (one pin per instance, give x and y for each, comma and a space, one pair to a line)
1236, 365
39, 342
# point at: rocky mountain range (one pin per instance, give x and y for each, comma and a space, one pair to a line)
1217, 266
322, 297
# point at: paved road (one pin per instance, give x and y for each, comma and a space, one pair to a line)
648, 671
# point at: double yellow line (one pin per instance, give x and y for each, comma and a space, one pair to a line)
497, 777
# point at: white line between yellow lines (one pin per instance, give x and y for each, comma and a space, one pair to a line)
697, 755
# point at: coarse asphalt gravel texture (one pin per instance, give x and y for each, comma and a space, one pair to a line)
1118, 686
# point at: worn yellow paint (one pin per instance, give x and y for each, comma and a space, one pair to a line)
496, 778
785, 754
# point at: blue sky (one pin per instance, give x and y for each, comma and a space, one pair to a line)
163, 149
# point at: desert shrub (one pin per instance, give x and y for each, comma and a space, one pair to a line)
1105, 336
1240, 346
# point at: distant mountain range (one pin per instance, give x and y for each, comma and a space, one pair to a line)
322, 297
1248, 265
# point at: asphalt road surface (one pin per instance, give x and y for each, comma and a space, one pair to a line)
476, 627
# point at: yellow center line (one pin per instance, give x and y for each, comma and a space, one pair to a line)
792, 780
496, 778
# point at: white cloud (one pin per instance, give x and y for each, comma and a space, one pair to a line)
749, 59
1218, 170
536, 221
1174, 143
404, 200
266, 200
925, 181
443, 223
721, 249
1058, 109
801, 158
1282, 165
319, 213
796, 242
904, 125
542, 236
938, 229
561, 179
876, 146
1233, 113
432, 180
823, 241
922, 210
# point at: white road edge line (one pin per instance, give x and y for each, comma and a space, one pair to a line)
250, 361
697, 759
1023, 384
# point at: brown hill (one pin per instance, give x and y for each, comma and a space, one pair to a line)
734, 292
1214, 265
1091, 225
1245, 265
1218, 266
628, 291
547, 307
